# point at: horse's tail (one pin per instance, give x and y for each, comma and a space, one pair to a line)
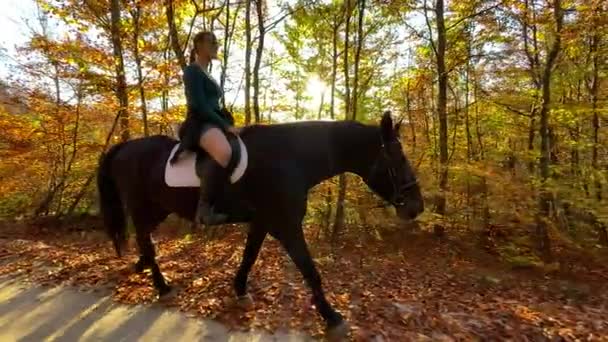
111, 204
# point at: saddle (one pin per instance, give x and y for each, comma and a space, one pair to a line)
180, 166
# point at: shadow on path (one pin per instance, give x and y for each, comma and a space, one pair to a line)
34, 313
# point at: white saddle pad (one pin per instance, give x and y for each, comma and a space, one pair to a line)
183, 174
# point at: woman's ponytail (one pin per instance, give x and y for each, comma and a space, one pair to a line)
192, 55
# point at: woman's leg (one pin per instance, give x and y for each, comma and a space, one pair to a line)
215, 143
212, 173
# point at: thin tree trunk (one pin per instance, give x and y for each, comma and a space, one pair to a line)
531, 136
334, 66
247, 62
226, 52
136, 14
410, 117
466, 97
467, 116
545, 196
532, 54
84, 188
320, 112
121, 82
258, 60
229, 33
164, 96
594, 91
355, 105
53, 184
339, 218
334, 71
442, 107
68, 170
173, 34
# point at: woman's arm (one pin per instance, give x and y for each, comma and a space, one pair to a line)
194, 87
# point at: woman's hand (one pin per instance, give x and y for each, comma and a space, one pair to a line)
234, 130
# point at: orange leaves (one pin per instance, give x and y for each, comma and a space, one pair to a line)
421, 293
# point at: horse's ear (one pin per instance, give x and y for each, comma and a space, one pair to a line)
386, 126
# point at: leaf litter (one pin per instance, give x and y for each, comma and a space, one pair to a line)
414, 294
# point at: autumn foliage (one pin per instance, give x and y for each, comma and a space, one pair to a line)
505, 112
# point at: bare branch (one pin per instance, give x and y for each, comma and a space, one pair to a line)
272, 25
428, 25
472, 16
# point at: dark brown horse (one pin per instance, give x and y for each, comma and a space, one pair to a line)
284, 162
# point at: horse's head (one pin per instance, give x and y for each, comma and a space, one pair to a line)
391, 176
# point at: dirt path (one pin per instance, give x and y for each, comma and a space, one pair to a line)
34, 313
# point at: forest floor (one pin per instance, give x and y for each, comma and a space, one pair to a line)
408, 287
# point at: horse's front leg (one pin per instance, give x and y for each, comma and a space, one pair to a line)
140, 265
292, 239
255, 239
148, 258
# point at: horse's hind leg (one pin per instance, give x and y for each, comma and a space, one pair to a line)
255, 239
292, 239
145, 223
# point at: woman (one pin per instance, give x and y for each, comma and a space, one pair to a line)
206, 125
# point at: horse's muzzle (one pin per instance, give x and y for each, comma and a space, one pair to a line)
410, 210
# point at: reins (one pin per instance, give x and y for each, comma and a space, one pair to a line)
398, 190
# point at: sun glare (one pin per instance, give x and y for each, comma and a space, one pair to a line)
317, 90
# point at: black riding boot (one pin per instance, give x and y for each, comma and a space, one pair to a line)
213, 180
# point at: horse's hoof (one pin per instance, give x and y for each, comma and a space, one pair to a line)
138, 267
245, 301
338, 332
165, 292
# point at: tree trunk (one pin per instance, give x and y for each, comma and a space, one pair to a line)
334, 67
410, 117
532, 54
320, 112
355, 105
136, 14
594, 92
121, 82
164, 96
334, 71
228, 34
531, 136
258, 60
226, 52
545, 196
466, 96
347, 99
173, 34
442, 107
247, 62
339, 218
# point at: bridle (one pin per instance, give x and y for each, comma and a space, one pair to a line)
399, 190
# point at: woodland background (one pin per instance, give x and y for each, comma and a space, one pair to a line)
504, 103
505, 108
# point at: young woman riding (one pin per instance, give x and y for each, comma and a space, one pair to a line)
206, 126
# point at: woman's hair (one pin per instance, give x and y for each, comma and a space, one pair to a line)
197, 39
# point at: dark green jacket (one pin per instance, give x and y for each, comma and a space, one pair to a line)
203, 97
